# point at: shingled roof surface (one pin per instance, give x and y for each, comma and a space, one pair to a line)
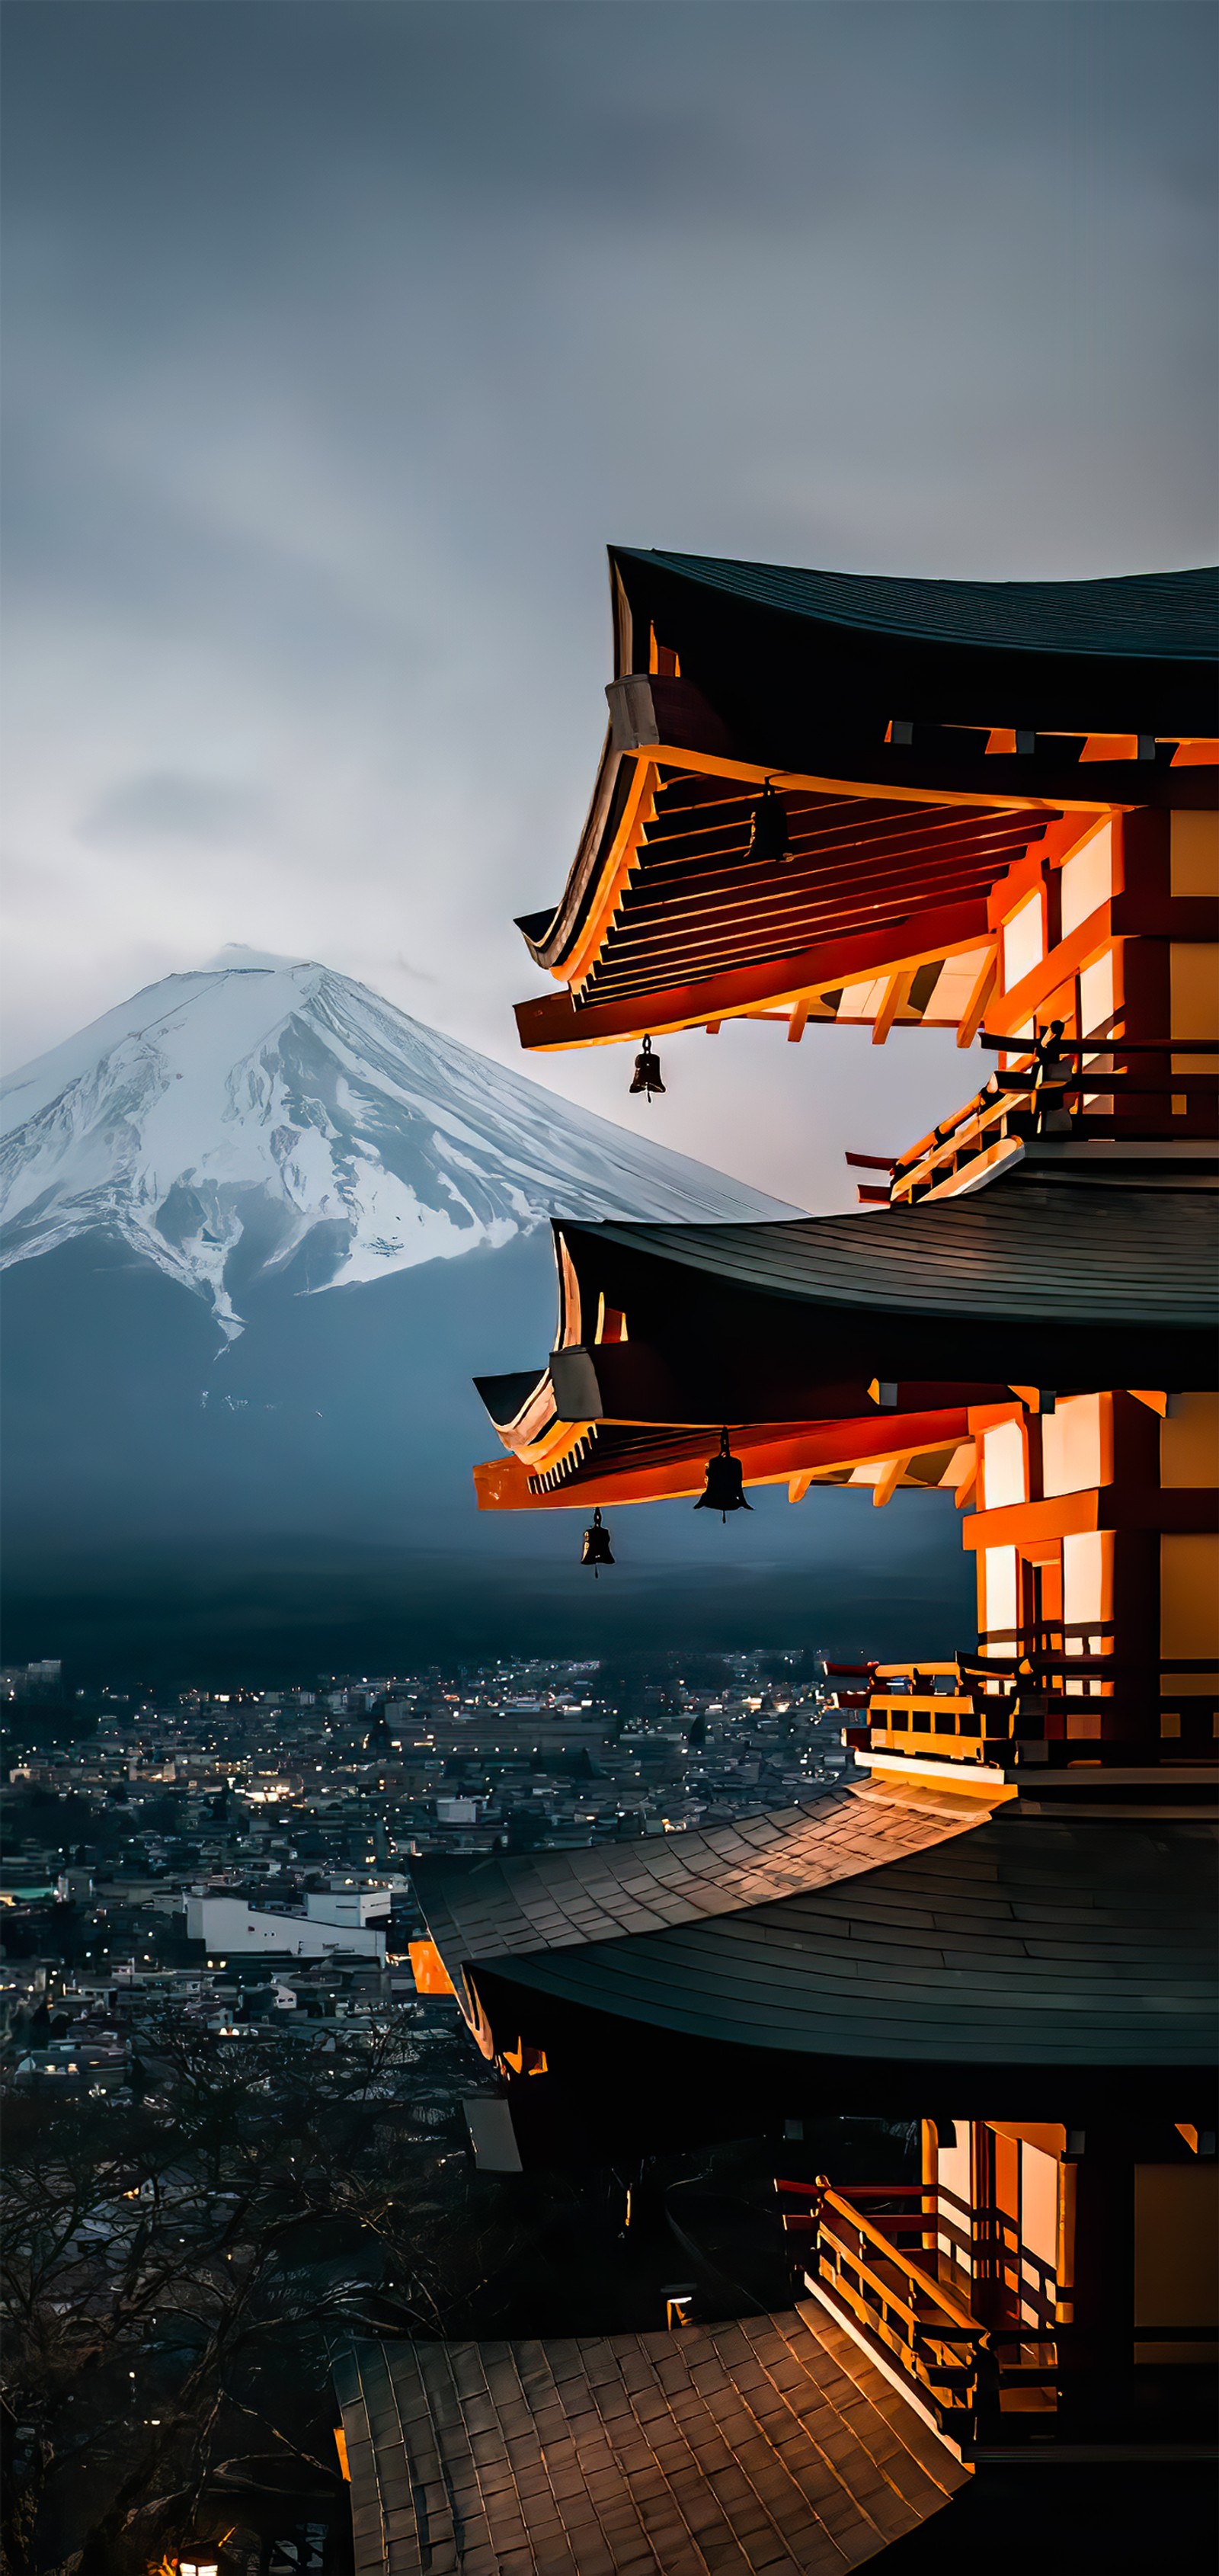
1136, 616
770, 2443
1016, 1249
502, 1908
1033, 1941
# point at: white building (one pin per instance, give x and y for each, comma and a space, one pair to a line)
353, 1908
230, 1928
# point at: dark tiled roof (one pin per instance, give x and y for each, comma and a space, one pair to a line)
503, 1908
767, 2444
1163, 616
1014, 1250
1032, 1941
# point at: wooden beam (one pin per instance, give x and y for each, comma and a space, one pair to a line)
553, 1020
975, 1009
795, 1031
798, 1485
780, 1457
896, 992
622, 860
888, 1482
715, 764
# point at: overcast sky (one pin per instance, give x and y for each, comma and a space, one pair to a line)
340, 339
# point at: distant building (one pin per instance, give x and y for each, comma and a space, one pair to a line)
351, 1909
228, 1925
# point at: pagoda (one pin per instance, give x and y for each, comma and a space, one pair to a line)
989, 808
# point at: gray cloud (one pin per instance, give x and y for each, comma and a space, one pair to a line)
163, 805
341, 338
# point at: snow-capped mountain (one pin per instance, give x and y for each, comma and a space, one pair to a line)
292, 1492
224, 1122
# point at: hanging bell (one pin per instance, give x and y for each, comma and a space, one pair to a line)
768, 841
724, 1491
647, 1071
597, 1550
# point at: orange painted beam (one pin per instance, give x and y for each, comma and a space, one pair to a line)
623, 860
502, 1484
716, 764
552, 1019
1179, 1508
1020, 1524
896, 993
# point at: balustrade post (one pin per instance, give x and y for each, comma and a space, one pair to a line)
987, 2411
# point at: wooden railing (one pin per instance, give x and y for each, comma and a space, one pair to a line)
970, 2372
985, 1708
1120, 1089
977, 2323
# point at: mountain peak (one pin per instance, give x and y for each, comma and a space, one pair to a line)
264, 1112
258, 961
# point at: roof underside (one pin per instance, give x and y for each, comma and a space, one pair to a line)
767, 2444
694, 905
612, 1462
922, 735
1085, 1943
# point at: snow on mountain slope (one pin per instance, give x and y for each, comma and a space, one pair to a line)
218, 1121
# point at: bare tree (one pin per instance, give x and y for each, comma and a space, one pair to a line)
266, 2193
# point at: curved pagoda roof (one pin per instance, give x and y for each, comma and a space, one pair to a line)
780, 1329
1031, 1938
509, 1907
1168, 617
923, 735
766, 2444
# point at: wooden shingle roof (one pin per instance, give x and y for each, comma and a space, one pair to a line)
1139, 617
767, 2444
1080, 1941
1014, 1251
502, 1908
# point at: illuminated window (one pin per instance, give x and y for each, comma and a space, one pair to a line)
1087, 879
1023, 942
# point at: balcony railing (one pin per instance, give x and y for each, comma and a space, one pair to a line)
912, 2268
1116, 1090
1009, 1709
882, 2251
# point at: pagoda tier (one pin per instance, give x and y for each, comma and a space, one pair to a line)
883, 1948
1090, 1480
938, 753
944, 1957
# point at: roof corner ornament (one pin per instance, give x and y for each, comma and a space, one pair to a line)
724, 1490
768, 838
646, 1077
